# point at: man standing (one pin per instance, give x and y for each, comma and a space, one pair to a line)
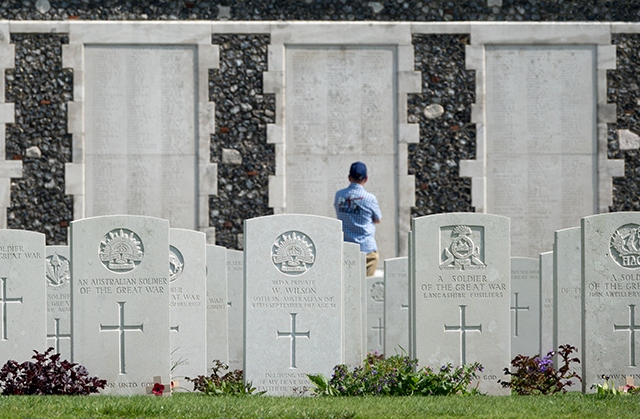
359, 212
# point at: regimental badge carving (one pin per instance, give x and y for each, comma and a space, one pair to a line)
462, 247
293, 253
377, 291
625, 246
121, 250
176, 263
57, 272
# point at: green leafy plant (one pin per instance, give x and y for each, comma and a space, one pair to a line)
608, 388
220, 383
536, 375
48, 375
395, 376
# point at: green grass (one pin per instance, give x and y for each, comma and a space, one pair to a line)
198, 406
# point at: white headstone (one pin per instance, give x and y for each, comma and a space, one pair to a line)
58, 279
23, 318
354, 349
541, 165
461, 270
547, 318
375, 314
120, 300
396, 306
567, 253
611, 297
525, 306
217, 308
187, 282
293, 312
235, 311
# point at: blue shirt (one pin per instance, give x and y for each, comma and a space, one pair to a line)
358, 209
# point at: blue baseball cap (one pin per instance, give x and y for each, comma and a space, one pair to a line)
358, 171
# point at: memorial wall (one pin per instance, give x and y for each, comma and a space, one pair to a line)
441, 106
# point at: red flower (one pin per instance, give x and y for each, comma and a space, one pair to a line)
158, 389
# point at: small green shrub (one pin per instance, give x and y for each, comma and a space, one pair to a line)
220, 383
47, 376
395, 376
535, 375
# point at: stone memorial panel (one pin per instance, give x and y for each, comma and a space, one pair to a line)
293, 312
547, 318
375, 314
217, 308
354, 349
23, 293
567, 253
525, 306
461, 273
363, 292
188, 310
396, 306
235, 310
120, 296
58, 279
140, 115
541, 125
611, 295
341, 105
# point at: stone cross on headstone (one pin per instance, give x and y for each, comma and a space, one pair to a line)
463, 328
380, 329
56, 335
293, 334
4, 300
631, 328
121, 327
516, 308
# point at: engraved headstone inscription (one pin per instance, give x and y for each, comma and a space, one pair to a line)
547, 319
525, 306
293, 312
188, 310
396, 305
235, 308
58, 280
567, 252
23, 318
375, 314
461, 273
217, 308
611, 297
354, 350
120, 296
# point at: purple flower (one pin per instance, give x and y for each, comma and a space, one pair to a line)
544, 363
